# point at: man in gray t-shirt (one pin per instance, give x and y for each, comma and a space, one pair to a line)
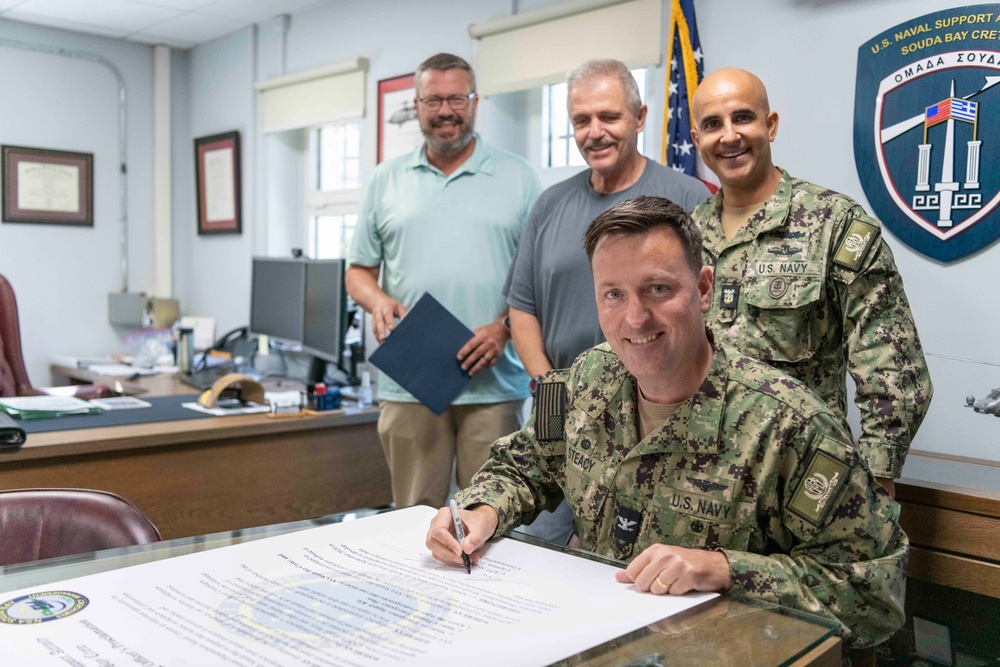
551, 278
550, 290
553, 314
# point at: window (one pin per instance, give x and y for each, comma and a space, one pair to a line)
558, 145
333, 193
332, 235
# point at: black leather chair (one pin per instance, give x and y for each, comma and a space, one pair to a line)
46, 523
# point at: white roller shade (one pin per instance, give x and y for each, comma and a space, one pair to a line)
316, 97
540, 47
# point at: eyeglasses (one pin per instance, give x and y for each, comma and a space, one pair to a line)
457, 102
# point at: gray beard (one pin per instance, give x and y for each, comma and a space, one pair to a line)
450, 148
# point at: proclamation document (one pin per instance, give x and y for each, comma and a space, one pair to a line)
220, 188
358, 593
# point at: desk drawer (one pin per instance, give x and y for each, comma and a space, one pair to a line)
975, 576
941, 529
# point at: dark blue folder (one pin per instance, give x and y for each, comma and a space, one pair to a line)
421, 354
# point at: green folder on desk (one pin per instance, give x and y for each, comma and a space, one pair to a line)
45, 407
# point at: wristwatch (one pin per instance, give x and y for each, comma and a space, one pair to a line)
533, 385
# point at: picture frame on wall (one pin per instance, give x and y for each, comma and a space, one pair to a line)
217, 176
47, 186
398, 125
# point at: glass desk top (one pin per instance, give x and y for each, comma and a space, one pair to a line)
724, 632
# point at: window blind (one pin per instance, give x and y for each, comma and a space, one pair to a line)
540, 47
315, 97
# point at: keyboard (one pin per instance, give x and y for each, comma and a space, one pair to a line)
205, 378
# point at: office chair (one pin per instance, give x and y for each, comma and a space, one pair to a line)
13, 374
46, 523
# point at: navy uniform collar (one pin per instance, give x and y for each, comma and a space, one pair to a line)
693, 427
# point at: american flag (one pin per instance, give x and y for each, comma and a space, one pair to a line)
684, 71
937, 113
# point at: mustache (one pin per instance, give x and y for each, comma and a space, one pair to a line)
441, 120
597, 145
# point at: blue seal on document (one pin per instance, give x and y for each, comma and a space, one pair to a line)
335, 611
41, 607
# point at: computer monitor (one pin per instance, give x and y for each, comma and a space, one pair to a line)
325, 310
277, 298
302, 302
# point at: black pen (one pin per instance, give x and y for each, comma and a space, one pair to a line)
460, 534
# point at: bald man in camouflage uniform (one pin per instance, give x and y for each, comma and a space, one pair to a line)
703, 469
803, 278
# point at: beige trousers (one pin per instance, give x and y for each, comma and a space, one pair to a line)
420, 446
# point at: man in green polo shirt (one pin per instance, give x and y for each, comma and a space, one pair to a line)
445, 219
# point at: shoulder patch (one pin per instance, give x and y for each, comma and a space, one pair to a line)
818, 489
550, 411
855, 243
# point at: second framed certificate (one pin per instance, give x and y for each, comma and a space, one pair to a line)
217, 170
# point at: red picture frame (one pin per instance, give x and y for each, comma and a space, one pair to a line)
47, 186
217, 176
398, 125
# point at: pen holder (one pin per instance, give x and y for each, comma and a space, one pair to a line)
322, 398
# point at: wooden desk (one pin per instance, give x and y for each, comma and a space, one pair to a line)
951, 512
200, 476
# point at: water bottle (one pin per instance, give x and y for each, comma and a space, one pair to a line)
365, 392
185, 350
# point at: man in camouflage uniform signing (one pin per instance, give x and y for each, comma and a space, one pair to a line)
803, 279
703, 469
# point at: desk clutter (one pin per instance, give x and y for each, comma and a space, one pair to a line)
232, 394
45, 407
320, 397
12, 435
162, 409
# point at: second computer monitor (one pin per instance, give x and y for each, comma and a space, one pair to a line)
325, 321
301, 301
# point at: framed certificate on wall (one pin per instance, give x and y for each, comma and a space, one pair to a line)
48, 186
217, 172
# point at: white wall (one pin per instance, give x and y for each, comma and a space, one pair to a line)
62, 275
212, 272
806, 53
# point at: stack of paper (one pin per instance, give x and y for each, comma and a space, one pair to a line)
121, 370
45, 407
238, 408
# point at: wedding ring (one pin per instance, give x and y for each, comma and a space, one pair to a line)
664, 586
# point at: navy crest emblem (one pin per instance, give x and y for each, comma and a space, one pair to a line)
777, 287
926, 119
